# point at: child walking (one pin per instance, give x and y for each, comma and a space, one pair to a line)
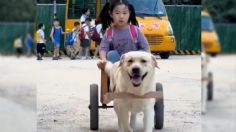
85, 43
29, 44
98, 26
18, 46
55, 35
40, 39
122, 34
73, 41
85, 14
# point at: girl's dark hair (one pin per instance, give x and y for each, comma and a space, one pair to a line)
88, 19
76, 23
56, 19
40, 25
84, 10
105, 17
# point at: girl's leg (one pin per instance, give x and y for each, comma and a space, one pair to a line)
55, 52
113, 56
87, 52
81, 51
96, 51
58, 50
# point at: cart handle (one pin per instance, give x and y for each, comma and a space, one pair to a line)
108, 97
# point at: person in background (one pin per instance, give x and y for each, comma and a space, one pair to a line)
85, 43
18, 46
77, 42
97, 43
55, 36
85, 14
40, 39
71, 46
29, 44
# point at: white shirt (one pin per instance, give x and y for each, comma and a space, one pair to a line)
75, 34
86, 30
83, 18
41, 37
99, 30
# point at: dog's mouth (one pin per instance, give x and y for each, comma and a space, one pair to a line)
137, 79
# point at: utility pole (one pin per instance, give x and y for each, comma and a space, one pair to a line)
55, 9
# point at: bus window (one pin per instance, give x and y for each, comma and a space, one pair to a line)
207, 24
75, 8
148, 7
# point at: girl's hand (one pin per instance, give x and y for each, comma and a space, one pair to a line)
101, 64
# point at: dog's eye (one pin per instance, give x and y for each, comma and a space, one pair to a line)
130, 61
143, 61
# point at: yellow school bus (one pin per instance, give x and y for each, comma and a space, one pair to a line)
209, 37
151, 15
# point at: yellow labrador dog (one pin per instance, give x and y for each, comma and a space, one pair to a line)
134, 74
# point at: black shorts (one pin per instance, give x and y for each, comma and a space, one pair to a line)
97, 43
41, 48
19, 50
85, 43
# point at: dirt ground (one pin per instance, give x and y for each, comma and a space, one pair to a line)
61, 89
221, 112
63, 93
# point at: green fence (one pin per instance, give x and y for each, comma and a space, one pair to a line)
226, 33
186, 23
10, 31
44, 14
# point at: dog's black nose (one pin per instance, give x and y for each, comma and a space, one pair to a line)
136, 70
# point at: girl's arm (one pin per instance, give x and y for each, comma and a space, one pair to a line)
103, 55
104, 48
51, 34
143, 43
101, 64
62, 32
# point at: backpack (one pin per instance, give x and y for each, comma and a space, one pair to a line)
133, 33
69, 38
82, 33
94, 35
36, 37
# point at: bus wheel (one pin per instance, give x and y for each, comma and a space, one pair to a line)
165, 55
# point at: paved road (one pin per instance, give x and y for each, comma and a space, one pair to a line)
63, 93
221, 112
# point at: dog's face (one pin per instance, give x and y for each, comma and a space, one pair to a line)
138, 65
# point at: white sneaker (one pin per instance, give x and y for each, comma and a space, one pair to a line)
83, 58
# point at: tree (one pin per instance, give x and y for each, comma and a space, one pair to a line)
223, 11
17, 10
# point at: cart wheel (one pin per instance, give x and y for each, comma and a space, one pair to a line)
159, 109
210, 87
94, 107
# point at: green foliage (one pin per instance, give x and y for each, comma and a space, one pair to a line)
222, 11
182, 2
17, 10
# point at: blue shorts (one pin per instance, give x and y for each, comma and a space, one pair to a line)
56, 44
113, 56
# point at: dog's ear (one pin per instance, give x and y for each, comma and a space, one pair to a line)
154, 62
122, 60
